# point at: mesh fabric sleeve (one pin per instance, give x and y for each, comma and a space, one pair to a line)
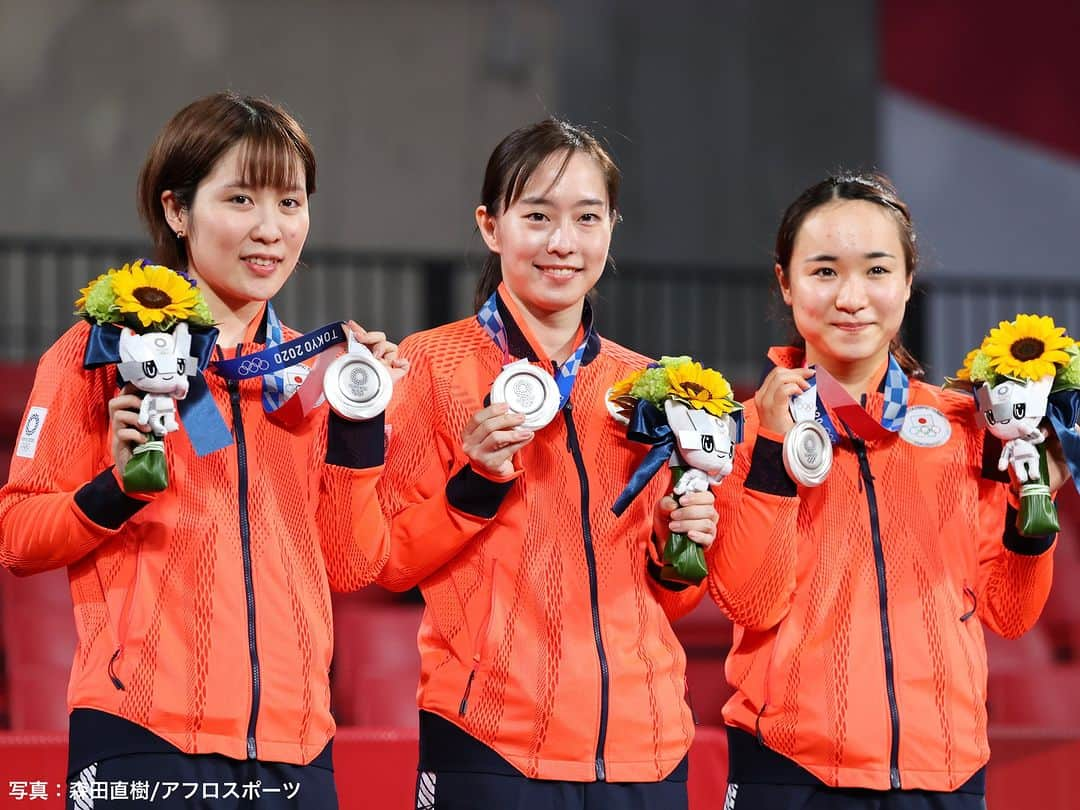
1015, 573
352, 529
62, 498
435, 502
752, 563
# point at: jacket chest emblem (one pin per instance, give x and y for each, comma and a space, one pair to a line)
925, 427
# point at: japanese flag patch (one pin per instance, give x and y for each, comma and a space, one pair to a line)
31, 432
925, 427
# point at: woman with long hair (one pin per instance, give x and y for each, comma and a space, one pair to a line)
550, 675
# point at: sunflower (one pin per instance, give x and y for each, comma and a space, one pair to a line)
623, 386
702, 388
1029, 348
156, 295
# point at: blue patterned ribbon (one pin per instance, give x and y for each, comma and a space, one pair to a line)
648, 425
205, 428
892, 416
491, 322
277, 360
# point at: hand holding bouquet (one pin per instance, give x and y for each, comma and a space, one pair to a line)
141, 315
1023, 371
689, 416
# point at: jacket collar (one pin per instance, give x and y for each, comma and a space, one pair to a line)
523, 344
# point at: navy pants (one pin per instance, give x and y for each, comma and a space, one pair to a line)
761, 779
805, 797
457, 772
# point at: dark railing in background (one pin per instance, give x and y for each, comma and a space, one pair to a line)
724, 316
958, 311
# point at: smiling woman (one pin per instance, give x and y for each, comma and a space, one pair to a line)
203, 610
861, 595
229, 204
550, 673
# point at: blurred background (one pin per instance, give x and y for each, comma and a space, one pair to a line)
718, 113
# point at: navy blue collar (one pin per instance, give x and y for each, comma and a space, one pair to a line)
520, 346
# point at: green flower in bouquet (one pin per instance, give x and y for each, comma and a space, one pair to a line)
652, 386
1068, 378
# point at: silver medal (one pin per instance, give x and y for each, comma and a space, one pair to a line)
356, 385
528, 390
807, 453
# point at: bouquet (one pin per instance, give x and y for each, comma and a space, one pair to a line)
1023, 371
142, 314
689, 416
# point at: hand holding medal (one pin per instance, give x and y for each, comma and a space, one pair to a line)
1024, 371
787, 404
524, 399
357, 384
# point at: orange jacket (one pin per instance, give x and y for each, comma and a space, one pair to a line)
544, 635
161, 586
859, 605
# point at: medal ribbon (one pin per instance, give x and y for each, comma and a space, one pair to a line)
825, 390
491, 322
279, 361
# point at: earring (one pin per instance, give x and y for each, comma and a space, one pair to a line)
179, 234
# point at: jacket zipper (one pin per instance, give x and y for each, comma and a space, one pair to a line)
480, 641
125, 617
590, 559
245, 547
879, 563
974, 603
768, 688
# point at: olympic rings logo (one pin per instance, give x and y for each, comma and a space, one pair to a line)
926, 427
252, 366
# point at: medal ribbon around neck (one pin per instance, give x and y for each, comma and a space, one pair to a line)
825, 390
491, 322
278, 361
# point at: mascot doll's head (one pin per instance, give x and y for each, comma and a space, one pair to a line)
705, 442
1013, 408
157, 362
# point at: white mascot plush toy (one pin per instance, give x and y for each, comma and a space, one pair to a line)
159, 364
1013, 410
705, 444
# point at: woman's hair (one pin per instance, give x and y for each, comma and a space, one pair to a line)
871, 187
195, 139
513, 163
